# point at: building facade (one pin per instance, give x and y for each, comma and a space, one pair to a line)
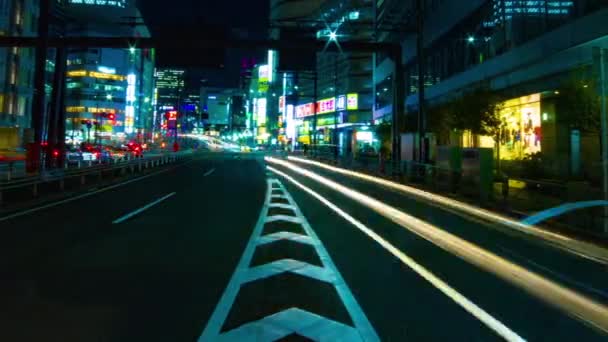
170, 85
527, 52
17, 73
340, 83
109, 91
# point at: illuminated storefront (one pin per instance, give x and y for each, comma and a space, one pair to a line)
522, 127
521, 130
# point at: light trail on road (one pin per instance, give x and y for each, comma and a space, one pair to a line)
569, 301
577, 247
487, 319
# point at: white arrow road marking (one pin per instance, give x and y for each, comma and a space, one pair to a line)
293, 320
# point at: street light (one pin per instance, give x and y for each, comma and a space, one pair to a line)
109, 97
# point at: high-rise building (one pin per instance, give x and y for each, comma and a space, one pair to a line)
170, 84
334, 78
100, 3
169, 92
17, 17
526, 52
108, 83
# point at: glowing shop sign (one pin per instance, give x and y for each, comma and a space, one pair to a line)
352, 101
130, 107
341, 103
261, 113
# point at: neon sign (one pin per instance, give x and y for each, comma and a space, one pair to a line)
130, 107
352, 101
330, 105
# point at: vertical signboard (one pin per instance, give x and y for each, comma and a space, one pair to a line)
261, 113
130, 105
263, 78
352, 101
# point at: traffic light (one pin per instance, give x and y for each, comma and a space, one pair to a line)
111, 117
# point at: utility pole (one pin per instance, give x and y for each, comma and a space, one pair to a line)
421, 76
39, 97
336, 135
601, 61
398, 106
314, 118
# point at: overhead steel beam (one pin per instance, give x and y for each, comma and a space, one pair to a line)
192, 43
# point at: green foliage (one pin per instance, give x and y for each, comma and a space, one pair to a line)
384, 134
477, 110
578, 103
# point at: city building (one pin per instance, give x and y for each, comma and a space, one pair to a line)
17, 17
223, 109
340, 82
170, 85
169, 93
528, 52
109, 91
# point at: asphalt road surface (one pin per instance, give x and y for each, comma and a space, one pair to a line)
219, 248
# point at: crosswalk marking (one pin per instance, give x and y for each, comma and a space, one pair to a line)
293, 320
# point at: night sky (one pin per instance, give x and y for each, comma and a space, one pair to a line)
200, 17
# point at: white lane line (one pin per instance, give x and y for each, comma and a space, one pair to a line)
491, 322
142, 209
563, 298
85, 195
208, 173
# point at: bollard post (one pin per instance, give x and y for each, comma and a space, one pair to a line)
35, 190
139, 166
90, 163
62, 184
82, 179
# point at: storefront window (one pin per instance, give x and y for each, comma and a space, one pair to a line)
522, 127
521, 130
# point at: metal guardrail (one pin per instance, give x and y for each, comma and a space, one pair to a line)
61, 175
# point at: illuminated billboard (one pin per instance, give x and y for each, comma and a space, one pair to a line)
281, 104
263, 78
326, 106
130, 107
261, 111
305, 110
352, 101
330, 105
